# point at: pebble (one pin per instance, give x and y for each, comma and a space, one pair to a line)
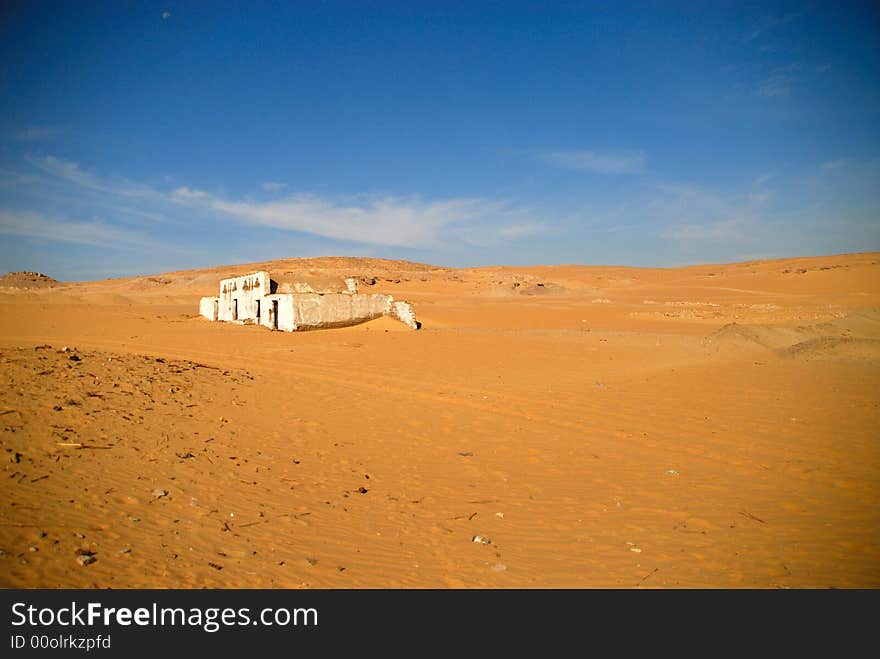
33, 549
481, 540
158, 493
672, 472
498, 567
126, 550
85, 559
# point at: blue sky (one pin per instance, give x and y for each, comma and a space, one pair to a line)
142, 137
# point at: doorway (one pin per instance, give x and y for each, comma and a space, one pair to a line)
274, 315
258, 312
235, 310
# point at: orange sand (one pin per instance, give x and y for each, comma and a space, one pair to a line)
711, 426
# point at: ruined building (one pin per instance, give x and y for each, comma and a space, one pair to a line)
257, 299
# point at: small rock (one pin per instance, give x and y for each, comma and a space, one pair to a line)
158, 493
637, 550
134, 519
65, 349
74, 358
125, 550
85, 557
465, 454
672, 472
363, 490
81, 536
499, 515
33, 549
498, 567
481, 540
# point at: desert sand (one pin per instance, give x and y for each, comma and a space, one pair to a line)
708, 426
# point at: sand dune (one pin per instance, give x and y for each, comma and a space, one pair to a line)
708, 426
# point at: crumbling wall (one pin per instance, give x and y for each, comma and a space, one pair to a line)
209, 307
403, 311
311, 311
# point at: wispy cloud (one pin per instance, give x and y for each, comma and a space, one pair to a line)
35, 133
723, 230
767, 25
379, 220
759, 193
387, 220
776, 85
694, 214
95, 233
627, 161
72, 172
273, 186
835, 164
521, 230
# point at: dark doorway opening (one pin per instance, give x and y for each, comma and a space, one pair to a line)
235, 310
274, 318
258, 312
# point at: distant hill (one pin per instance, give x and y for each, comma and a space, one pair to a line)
27, 280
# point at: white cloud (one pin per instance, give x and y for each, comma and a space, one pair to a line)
627, 161
370, 219
71, 171
379, 220
34, 225
187, 194
272, 186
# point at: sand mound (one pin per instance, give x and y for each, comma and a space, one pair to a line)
739, 337
833, 347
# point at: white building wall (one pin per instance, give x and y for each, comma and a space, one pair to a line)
299, 310
208, 307
246, 291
